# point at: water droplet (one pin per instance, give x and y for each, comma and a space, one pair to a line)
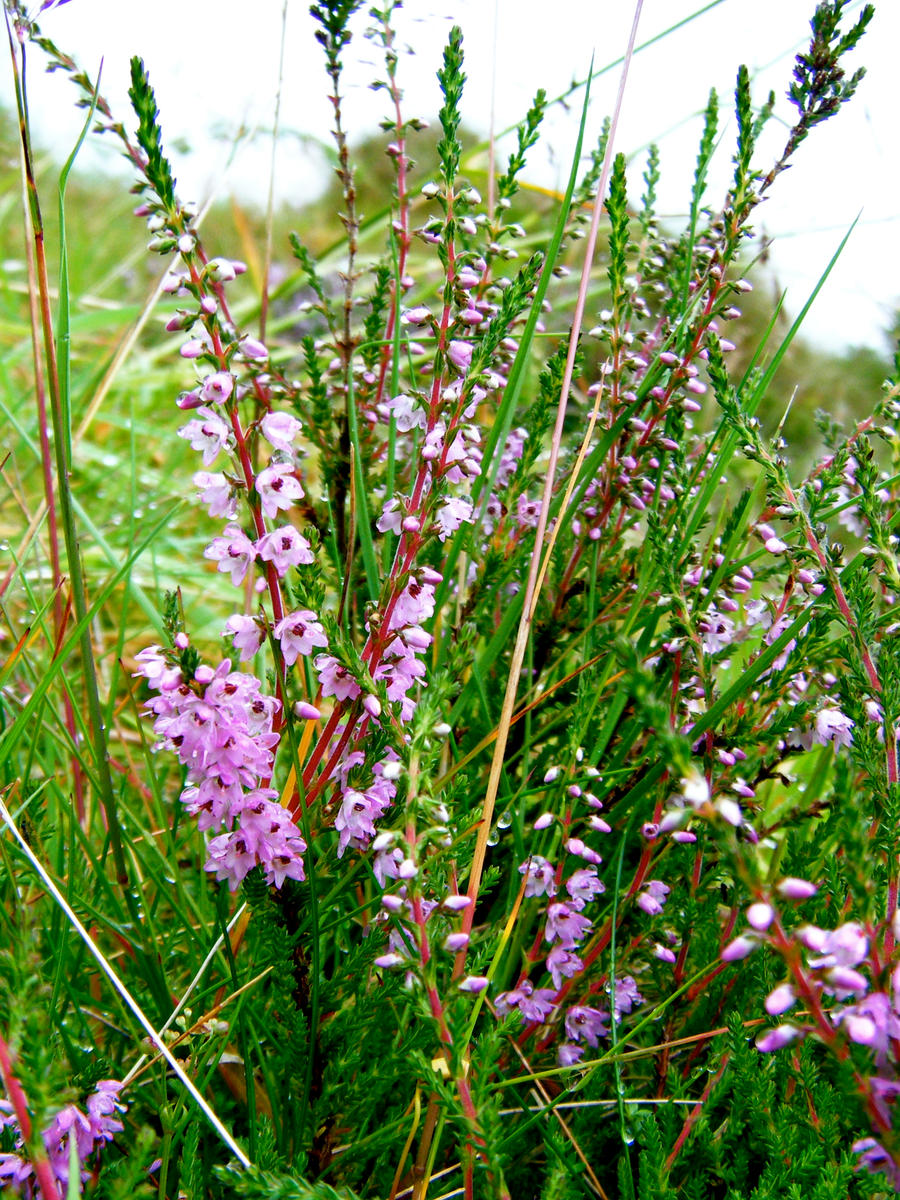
627, 1135
504, 820
493, 838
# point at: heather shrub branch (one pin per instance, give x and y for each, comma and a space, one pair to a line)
519, 811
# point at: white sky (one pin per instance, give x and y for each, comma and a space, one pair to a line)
214, 65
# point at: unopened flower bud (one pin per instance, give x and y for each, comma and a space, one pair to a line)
780, 999
760, 915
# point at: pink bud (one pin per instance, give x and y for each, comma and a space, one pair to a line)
780, 999
372, 705
796, 889
760, 915
456, 941
457, 902
393, 904
544, 820
739, 948
474, 984
775, 1039
306, 712
389, 960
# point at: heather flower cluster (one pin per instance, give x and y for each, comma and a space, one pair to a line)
221, 727
540, 667
88, 1130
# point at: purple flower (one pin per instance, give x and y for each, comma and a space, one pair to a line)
217, 387
780, 1000
248, 634
278, 488
652, 899
538, 1005
583, 885
875, 1158
566, 926
233, 553
284, 547
451, 514
831, 725
845, 946
626, 995
208, 434
460, 354
777, 1038
562, 964
539, 878
280, 430
335, 679
586, 1024
216, 493
300, 633
569, 1054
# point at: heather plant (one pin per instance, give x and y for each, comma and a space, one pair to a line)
476, 774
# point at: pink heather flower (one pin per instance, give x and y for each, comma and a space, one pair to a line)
278, 488
653, 897
335, 680
544, 821
306, 712
539, 876
216, 493
562, 964
217, 387
775, 1039
385, 961
416, 316
527, 512
460, 354
569, 1054
627, 995
760, 916
233, 553
566, 925
846, 946
585, 1024
780, 1000
356, 819
253, 349
407, 411
456, 903
846, 980
284, 547
280, 430
876, 1159
739, 948
583, 885
796, 889
209, 435
456, 941
265, 837
474, 984
248, 635
415, 604
451, 514
831, 725
222, 270
537, 1004
718, 631
663, 953
391, 519
300, 633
